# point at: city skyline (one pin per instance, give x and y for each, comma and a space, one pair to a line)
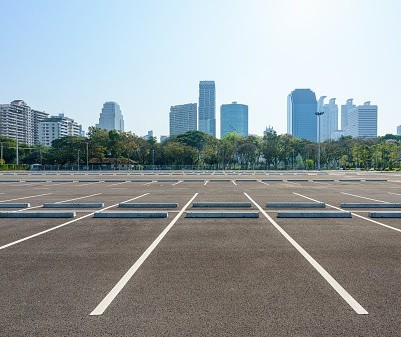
72, 72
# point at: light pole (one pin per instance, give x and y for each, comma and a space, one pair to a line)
87, 156
1, 152
153, 159
78, 160
17, 154
318, 114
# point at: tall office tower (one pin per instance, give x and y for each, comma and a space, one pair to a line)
399, 130
234, 118
111, 117
56, 127
207, 107
183, 118
362, 121
301, 118
329, 119
18, 121
344, 113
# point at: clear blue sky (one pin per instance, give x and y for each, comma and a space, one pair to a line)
72, 56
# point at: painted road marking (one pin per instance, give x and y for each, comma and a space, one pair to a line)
358, 196
64, 224
32, 196
262, 182
335, 285
103, 305
177, 183
205, 182
394, 193
149, 183
59, 202
234, 182
353, 214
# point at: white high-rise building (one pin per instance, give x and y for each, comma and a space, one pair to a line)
18, 121
344, 114
399, 130
329, 119
56, 127
362, 121
183, 118
111, 117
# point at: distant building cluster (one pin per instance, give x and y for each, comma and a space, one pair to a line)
202, 117
29, 126
314, 120
307, 118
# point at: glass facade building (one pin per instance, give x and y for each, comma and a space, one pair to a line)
111, 117
207, 107
301, 118
234, 118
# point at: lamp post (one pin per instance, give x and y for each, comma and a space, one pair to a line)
318, 114
1, 152
78, 160
87, 156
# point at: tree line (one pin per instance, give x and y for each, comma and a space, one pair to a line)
195, 148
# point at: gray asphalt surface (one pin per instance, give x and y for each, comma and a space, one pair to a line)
205, 277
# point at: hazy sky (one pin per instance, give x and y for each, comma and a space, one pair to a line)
72, 56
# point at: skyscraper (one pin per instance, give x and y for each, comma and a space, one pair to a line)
111, 117
362, 121
207, 107
183, 118
234, 118
344, 113
329, 119
20, 122
399, 130
301, 118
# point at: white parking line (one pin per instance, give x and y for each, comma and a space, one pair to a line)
64, 224
394, 193
359, 196
336, 286
58, 202
234, 182
25, 184
32, 196
103, 305
262, 182
353, 214
123, 182
148, 183
177, 183
205, 182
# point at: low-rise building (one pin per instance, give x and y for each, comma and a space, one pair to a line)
57, 127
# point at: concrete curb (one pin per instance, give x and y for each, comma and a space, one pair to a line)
222, 204
37, 214
369, 205
295, 205
326, 214
148, 205
222, 214
20, 205
74, 205
385, 215
127, 214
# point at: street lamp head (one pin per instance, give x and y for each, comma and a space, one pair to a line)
319, 113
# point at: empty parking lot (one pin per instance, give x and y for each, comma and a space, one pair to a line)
200, 276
